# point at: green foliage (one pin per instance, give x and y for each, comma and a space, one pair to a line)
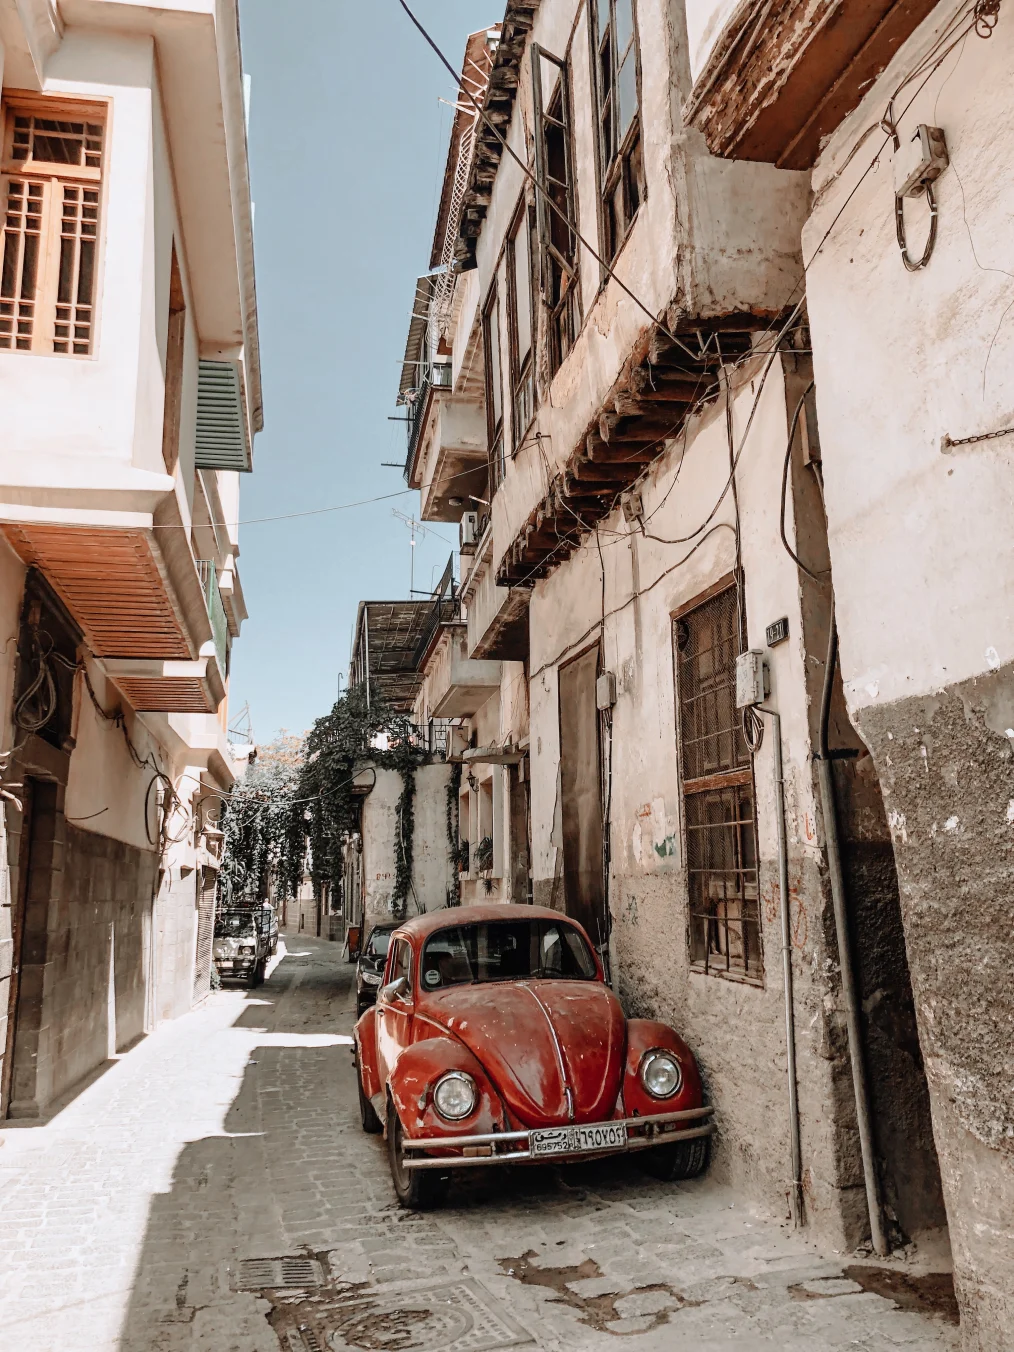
292, 811
458, 849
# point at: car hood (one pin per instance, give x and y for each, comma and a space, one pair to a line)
537, 1039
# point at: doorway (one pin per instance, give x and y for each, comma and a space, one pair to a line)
581, 796
20, 1093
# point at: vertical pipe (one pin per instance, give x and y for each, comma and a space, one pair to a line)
790, 1018
848, 980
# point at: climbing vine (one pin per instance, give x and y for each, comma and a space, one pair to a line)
456, 852
296, 806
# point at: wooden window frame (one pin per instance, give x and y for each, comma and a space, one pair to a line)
731, 786
53, 315
495, 426
559, 273
619, 164
522, 370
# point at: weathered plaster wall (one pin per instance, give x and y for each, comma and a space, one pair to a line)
920, 544
737, 1029
431, 866
709, 237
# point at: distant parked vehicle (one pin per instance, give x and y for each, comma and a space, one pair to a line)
242, 944
269, 923
495, 1041
370, 967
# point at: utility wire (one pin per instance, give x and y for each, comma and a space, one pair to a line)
534, 179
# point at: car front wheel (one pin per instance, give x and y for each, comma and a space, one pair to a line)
682, 1159
417, 1189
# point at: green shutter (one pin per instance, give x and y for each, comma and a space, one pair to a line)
222, 441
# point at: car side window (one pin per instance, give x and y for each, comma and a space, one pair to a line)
401, 963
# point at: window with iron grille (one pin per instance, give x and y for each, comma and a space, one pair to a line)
51, 180
719, 810
554, 164
617, 81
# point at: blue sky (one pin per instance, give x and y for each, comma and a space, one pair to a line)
347, 143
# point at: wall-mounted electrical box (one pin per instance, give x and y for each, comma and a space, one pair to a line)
752, 682
605, 690
777, 632
632, 506
919, 162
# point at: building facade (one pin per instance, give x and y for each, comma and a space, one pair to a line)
130, 382
661, 373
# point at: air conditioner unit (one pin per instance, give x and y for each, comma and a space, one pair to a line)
468, 534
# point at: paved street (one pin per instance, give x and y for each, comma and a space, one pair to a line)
233, 1135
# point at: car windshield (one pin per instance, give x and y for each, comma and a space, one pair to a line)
234, 925
380, 942
505, 950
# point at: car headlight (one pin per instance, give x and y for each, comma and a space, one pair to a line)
371, 978
246, 950
661, 1074
454, 1095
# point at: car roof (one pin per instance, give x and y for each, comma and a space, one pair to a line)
422, 925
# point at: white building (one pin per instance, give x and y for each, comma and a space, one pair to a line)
130, 383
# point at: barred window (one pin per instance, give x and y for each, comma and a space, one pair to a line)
494, 387
50, 187
718, 800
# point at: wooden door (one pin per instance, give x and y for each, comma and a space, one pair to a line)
581, 793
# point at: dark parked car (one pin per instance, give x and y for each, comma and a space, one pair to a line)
370, 967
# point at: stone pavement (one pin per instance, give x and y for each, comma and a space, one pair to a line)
128, 1222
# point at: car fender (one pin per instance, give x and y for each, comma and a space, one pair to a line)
642, 1036
411, 1089
365, 1035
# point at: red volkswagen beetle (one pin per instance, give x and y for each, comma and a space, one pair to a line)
495, 1040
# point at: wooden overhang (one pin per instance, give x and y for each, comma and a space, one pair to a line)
498, 107
782, 77
647, 406
116, 588
386, 650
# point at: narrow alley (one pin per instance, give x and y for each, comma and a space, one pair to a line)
213, 1190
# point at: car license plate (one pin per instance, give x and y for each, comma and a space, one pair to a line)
577, 1140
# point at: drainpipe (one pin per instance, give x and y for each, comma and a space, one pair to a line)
790, 1018
848, 980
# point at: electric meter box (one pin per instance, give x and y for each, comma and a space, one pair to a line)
751, 678
919, 162
605, 691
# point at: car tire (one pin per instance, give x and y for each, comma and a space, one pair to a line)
372, 1124
416, 1189
257, 975
682, 1159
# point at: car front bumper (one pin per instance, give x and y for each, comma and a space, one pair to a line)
515, 1147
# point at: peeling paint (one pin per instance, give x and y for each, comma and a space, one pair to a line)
896, 821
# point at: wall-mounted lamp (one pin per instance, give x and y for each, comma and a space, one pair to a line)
473, 783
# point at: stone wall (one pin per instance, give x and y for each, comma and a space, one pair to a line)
947, 767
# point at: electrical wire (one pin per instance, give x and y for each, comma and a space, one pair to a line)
815, 577
541, 187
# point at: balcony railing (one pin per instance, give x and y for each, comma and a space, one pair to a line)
216, 610
446, 609
437, 376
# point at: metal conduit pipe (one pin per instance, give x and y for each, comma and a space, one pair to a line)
848, 979
790, 1017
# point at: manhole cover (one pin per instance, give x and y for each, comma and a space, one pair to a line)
456, 1317
259, 1274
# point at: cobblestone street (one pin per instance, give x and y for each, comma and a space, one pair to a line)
233, 1134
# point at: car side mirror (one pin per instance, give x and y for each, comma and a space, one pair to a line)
394, 990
